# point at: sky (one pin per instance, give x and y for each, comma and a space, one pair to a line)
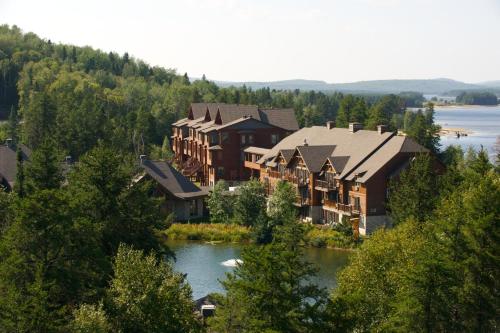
268, 40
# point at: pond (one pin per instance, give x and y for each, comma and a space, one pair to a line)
203, 264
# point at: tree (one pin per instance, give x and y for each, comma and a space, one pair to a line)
90, 319
424, 131
280, 206
146, 295
44, 170
219, 203
19, 186
47, 261
347, 104
250, 203
12, 126
271, 291
381, 113
414, 194
101, 191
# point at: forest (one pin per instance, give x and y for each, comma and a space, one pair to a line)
80, 247
477, 98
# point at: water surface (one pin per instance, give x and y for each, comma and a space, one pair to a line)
202, 262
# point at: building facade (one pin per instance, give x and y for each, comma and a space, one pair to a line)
209, 144
339, 173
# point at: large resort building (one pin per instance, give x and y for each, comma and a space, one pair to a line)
339, 173
209, 143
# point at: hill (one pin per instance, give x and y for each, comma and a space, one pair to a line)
430, 86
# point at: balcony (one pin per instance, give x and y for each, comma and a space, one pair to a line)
302, 201
325, 185
344, 208
300, 181
274, 174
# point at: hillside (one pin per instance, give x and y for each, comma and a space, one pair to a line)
431, 86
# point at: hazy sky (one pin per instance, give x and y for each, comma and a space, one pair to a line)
263, 40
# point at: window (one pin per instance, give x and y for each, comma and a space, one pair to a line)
220, 172
274, 139
250, 139
224, 136
193, 207
356, 203
214, 138
243, 139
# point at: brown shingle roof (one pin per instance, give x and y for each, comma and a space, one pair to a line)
283, 118
315, 156
397, 144
352, 147
229, 113
8, 162
172, 180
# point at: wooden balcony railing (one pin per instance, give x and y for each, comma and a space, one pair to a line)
346, 208
326, 184
274, 174
301, 181
302, 201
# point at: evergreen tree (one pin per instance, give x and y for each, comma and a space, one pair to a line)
12, 126
347, 105
414, 194
271, 291
44, 170
19, 186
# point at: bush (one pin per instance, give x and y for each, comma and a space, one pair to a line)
209, 232
327, 237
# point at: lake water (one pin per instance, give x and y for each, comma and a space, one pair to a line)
202, 262
483, 121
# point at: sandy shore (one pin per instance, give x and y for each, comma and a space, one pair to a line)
455, 131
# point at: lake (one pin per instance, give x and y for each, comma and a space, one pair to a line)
202, 262
483, 121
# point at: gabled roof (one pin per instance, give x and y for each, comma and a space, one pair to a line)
351, 148
8, 162
172, 180
315, 156
224, 114
283, 118
287, 154
256, 150
396, 145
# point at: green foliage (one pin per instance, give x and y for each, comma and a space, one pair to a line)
90, 319
250, 203
220, 203
422, 129
382, 112
20, 186
415, 193
209, 232
44, 169
477, 98
146, 295
271, 291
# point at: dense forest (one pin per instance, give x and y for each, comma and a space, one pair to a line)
78, 95
477, 98
80, 249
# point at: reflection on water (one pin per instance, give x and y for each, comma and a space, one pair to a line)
202, 264
483, 121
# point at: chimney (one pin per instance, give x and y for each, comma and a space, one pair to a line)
381, 129
142, 158
8, 142
330, 124
354, 127
305, 143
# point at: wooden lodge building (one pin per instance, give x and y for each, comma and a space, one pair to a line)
338, 172
181, 197
209, 143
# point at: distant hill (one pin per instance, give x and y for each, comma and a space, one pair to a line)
430, 86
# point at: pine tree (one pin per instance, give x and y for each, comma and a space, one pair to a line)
414, 194
19, 186
12, 126
44, 170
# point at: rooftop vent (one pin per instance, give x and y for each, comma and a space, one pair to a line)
68, 159
305, 142
8, 142
381, 129
354, 127
330, 124
142, 158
